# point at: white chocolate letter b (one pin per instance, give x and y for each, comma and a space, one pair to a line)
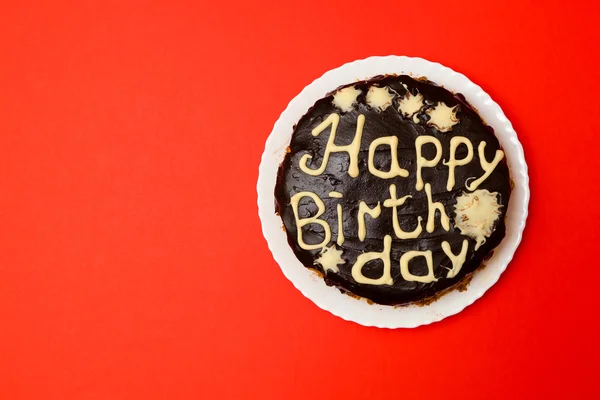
301, 222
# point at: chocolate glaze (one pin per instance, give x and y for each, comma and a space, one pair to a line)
371, 189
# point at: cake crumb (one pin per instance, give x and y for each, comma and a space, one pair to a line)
317, 272
354, 296
464, 284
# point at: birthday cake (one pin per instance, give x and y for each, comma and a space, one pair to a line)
393, 189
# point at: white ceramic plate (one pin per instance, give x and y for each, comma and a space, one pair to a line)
330, 298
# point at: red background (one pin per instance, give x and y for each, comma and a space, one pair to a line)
131, 260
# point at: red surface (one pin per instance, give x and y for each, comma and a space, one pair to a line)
131, 260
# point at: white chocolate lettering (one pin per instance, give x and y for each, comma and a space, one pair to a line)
340, 235
394, 202
422, 161
335, 195
352, 149
457, 260
363, 209
453, 162
361, 260
406, 257
301, 222
395, 169
431, 206
488, 167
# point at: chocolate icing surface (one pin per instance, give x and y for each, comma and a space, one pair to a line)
371, 189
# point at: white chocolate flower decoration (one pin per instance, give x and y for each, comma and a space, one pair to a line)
345, 98
410, 105
476, 214
329, 258
379, 98
442, 117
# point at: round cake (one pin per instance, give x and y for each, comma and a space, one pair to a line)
394, 189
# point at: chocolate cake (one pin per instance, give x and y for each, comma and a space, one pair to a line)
394, 189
